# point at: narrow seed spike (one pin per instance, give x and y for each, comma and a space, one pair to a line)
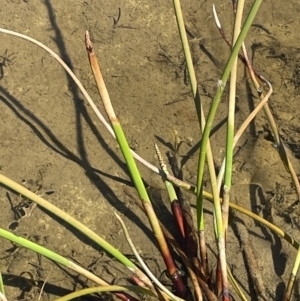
161, 161
88, 43
158, 153
216, 17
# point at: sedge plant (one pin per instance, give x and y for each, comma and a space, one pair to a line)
220, 227
205, 127
198, 274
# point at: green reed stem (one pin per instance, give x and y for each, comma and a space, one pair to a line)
204, 143
201, 119
187, 55
134, 172
217, 99
194, 88
68, 219
2, 289
35, 247
50, 254
229, 151
231, 115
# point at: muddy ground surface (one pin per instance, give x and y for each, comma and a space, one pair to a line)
51, 140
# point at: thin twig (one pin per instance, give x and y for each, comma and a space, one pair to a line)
142, 263
44, 283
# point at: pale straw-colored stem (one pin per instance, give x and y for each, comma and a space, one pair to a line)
143, 265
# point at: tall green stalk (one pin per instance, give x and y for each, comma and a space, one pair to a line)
201, 119
59, 259
217, 97
134, 172
49, 254
231, 115
204, 143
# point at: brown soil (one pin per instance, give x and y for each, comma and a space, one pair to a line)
50, 135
